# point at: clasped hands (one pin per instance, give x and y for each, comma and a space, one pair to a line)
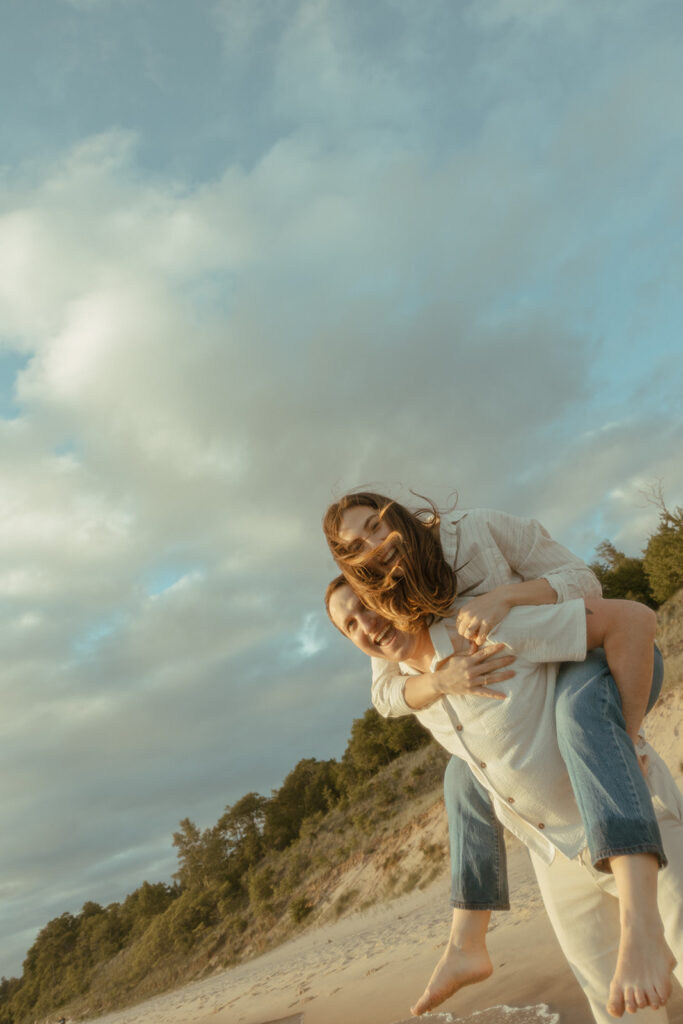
475, 671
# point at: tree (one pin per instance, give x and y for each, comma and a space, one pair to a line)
664, 554
241, 827
621, 576
376, 741
201, 855
310, 787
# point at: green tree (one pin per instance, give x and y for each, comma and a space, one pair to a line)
201, 855
664, 554
310, 787
242, 828
376, 741
621, 576
145, 903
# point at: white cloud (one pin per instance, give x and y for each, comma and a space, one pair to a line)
408, 281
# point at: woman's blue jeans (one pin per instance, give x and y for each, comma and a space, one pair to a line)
611, 793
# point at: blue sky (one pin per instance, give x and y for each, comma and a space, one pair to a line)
254, 253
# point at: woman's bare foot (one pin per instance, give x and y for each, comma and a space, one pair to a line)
643, 974
644, 961
456, 968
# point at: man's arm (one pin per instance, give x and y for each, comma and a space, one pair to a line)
626, 630
387, 689
470, 673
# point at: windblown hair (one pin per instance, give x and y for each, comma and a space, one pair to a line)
426, 586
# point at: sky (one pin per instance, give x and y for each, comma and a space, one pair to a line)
256, 253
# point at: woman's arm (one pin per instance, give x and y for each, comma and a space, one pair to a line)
520, 547
550, 572
477, 618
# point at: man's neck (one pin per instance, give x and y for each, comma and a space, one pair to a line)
422, 653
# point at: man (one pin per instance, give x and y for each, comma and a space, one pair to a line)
511, 747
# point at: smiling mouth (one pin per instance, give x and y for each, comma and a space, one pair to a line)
390, 556
385, 636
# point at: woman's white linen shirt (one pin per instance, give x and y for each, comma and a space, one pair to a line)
489, 549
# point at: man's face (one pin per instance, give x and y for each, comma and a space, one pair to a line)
368, 630
362, 529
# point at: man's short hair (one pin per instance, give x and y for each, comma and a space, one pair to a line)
332, 587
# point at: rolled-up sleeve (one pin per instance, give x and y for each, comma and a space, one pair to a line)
387, 689
531, 552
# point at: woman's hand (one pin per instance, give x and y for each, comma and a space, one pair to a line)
477, 618
472, 673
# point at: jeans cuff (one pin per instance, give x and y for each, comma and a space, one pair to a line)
488, 905
601, 859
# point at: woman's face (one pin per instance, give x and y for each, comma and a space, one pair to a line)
362, 529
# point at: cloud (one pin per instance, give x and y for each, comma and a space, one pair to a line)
416, 269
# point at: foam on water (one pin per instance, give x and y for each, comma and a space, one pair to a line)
539, 1014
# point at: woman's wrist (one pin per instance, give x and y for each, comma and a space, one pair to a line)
509, 594
528, 592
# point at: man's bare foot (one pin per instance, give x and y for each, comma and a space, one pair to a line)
643, 974
456, 968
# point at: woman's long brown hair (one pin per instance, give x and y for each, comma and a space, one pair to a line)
426, 588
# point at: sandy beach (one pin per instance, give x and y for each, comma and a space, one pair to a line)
369, 967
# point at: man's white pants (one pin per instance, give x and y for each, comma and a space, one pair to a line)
584, 912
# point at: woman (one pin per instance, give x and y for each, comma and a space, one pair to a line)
408, 567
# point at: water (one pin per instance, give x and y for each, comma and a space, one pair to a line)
539, 1014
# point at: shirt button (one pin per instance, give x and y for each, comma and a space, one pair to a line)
482, 764
459, 728
541, 825
511, 799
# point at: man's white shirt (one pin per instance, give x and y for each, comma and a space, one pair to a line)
511, 745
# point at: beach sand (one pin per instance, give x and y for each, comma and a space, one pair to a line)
370, 967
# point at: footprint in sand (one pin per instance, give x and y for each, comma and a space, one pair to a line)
373, 970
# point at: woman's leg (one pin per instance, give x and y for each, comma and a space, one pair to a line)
622, 831
464, 962
585, 920
477, 846
478, 885
609, 786
588, 919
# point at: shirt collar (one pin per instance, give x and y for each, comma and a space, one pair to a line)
441, 641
